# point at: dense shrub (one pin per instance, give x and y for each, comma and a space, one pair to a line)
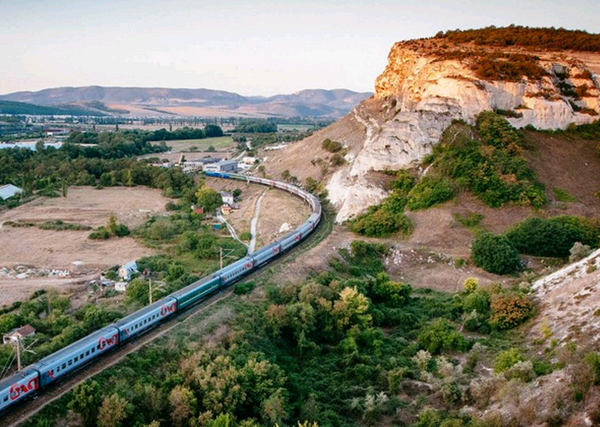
510, 67
337, 160
428, 192
440, 336
493, 168
495, 254
380, 223
331, 146
506, 359
553, 237
100, 234
509, 311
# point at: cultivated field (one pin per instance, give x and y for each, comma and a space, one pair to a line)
221, 143
32, 258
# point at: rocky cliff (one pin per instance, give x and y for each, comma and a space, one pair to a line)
428, 84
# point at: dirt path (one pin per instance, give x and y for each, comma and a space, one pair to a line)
253, 224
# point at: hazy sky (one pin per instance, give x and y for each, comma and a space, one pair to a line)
260, 47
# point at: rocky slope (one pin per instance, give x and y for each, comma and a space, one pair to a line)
429, 83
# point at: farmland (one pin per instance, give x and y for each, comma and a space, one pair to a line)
39, 251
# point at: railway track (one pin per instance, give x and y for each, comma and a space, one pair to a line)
19, 414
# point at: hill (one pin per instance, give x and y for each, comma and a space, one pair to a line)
23, 108
429, 83
135, 101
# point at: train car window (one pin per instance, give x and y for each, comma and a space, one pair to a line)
76, 358
70, 362
6, 399
64, 365
87, 353
93, 350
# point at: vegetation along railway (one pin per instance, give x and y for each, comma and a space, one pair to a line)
50, 369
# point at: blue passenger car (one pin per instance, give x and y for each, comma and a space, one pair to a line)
145, 318
290, 240
234, 271
196, 291
18, 386
265, 254
75, 355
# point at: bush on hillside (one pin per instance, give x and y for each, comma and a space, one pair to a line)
331, 146
380, 223
495, 254
428, 192
440, 336
509, 311
493, 168
553, 237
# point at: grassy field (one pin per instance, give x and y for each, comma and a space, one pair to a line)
220, 143
292, 127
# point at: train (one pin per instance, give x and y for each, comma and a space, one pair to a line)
28, 381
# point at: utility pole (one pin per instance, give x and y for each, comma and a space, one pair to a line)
150, 290
18, 340
221, 256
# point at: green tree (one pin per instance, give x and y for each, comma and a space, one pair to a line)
213, 131
495, 254
113, 411
209, 198
183, 404
86, 402
111, 226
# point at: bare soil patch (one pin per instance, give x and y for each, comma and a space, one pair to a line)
71, 251
570, 163
280, 212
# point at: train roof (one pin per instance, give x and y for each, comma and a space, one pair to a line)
189, 287
145, 310
93, 337
17, 376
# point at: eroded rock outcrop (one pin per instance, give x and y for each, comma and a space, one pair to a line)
421, 92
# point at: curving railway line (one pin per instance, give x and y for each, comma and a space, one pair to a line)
59, 365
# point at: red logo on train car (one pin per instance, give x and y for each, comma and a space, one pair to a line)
168, 308
276, 250
298, 236
107, 342
17, 390
248, 265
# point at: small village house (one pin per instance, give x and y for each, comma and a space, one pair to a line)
18, 333
128, 270
227, 197
7, 191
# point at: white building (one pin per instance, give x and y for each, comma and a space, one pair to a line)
126, 271
227, 197
222, 166
7, 191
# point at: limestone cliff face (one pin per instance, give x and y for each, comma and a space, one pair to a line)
419, 94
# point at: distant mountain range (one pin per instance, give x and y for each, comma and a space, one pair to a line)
137, 101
